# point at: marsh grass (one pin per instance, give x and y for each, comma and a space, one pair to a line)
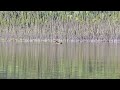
63, 25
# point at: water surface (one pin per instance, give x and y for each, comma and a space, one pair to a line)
59, 61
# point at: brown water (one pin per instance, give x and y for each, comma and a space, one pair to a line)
63, 61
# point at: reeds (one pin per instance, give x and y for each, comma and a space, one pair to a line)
62, 25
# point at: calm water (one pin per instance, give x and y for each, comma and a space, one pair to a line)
65, 61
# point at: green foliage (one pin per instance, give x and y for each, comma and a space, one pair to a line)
33, 17
43, 20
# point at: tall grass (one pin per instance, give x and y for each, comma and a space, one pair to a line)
64, 25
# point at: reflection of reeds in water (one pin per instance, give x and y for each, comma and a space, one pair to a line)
46, 60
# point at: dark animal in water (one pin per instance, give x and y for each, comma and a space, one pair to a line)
57, 42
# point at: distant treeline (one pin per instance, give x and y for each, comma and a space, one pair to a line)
60, 24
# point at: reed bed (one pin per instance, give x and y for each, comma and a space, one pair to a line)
79, 26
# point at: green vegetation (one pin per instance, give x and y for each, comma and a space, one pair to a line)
64, 25
29, 18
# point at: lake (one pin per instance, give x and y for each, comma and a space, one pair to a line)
48, 60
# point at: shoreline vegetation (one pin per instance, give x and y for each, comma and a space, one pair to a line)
60, 26
57, 41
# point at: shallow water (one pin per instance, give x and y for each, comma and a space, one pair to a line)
65, 61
